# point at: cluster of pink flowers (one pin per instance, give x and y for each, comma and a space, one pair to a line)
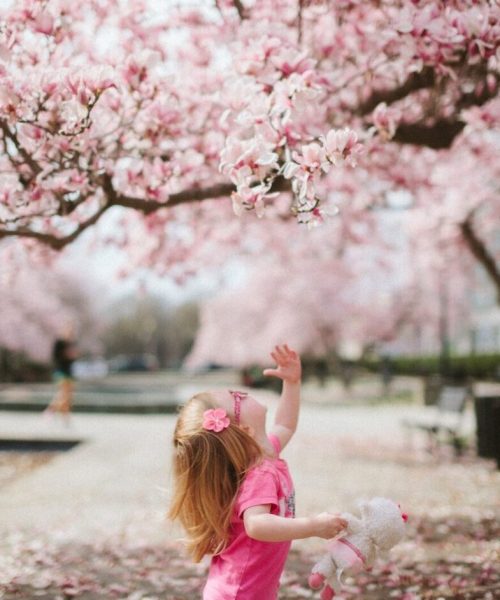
441, 31
308, 162
266, 133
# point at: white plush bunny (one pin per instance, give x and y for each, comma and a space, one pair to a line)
381, 526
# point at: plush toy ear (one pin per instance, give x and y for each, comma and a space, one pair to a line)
364, 508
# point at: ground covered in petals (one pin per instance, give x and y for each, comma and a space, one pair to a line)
15, 464
449, 558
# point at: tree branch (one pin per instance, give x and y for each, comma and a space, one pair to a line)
54, 241
145, 206
481, 253
28, 159
220, 190
438, 135
442, 132
300, 21
416, 81
240, 8
187, 196
479, 98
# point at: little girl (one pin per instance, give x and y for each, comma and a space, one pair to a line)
233, 494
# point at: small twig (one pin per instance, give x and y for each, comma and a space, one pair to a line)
85, 122
28, 159
56, 242
300, 22
240, 8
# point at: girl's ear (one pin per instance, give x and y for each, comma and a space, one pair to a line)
248, 429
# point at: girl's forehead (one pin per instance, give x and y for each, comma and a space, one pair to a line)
225, 397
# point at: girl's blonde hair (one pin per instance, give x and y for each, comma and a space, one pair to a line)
208, 470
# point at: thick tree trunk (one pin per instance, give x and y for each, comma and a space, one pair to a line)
481, 254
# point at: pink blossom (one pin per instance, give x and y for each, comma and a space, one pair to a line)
385, 120
44, 23
9, 99
253, 156
138, 67
100, 79
248, 198
341, 145
290, 169
72, 113
312, 156
289, 61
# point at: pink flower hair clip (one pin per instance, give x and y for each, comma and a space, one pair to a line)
215, 419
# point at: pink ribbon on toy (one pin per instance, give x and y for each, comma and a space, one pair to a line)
356, 551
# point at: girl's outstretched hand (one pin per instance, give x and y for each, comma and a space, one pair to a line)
327, 526
288, 364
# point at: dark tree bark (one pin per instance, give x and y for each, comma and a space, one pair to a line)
483, 256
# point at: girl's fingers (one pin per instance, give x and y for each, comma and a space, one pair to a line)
271, 372
288, 352
275, 357
280, 360
282, 355
281, 352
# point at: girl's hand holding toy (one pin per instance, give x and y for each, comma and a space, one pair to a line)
381, 526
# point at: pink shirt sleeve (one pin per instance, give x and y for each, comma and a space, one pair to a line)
260, 486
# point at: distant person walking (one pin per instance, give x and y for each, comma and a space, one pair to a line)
64, 354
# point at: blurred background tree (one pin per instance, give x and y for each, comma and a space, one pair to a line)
290, 114
147, 325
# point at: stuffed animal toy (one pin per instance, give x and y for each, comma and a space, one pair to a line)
381, 526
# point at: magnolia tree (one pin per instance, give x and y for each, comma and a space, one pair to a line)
38, 304
288, 109
315, 311
349, 302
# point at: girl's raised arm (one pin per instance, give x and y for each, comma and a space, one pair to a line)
289, 370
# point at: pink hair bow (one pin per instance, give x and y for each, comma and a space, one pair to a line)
215, 419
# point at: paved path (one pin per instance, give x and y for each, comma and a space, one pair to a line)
155, 392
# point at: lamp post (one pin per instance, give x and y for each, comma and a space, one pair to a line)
444, 327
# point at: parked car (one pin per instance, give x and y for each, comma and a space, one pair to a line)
90, 368
133, 362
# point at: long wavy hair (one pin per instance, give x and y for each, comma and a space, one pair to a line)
208, 469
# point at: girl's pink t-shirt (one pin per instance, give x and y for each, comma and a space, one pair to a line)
248, 569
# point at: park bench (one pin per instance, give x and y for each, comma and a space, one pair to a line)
443, 422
